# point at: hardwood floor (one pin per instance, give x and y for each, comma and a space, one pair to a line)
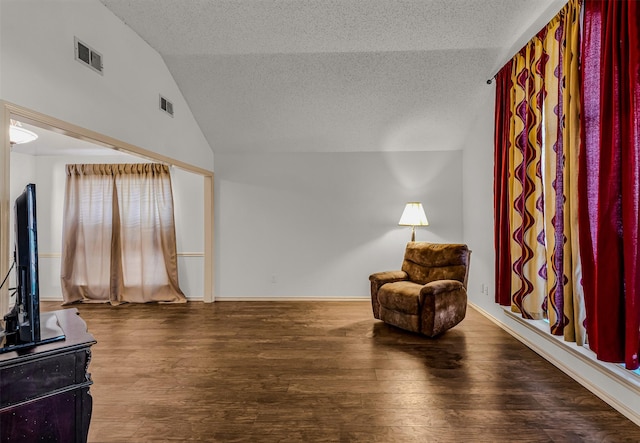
324, 371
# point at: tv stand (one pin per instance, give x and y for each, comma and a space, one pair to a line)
44, 389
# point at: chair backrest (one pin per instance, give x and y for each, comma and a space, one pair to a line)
426, 262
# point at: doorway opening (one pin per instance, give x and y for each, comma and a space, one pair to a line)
62, 142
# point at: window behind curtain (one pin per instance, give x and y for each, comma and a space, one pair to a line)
119, 242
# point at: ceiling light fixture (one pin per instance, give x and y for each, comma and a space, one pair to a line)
19, 135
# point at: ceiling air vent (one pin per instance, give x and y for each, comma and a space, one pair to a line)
166, 106
88, 56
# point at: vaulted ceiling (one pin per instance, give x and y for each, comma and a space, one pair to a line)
334, 75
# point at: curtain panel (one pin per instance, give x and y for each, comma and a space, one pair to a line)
501, 204
119, 241
536, 144
528, 282
609, 181
565, 304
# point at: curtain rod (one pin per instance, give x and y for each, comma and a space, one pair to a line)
490, 80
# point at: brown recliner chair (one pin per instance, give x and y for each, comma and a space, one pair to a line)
429, 294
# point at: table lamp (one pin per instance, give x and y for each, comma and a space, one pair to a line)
413, 215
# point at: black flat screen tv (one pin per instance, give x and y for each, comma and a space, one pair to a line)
23, 325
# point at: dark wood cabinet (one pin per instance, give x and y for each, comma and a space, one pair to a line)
44, 390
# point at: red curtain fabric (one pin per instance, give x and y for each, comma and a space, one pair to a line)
501, 207
609, 179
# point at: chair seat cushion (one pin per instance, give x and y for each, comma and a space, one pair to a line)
401, 296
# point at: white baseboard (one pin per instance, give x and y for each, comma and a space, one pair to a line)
58, 298
296, 299
223, 299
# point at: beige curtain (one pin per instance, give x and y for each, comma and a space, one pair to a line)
118, 242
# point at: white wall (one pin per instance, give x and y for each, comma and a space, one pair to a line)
317, 224
477, 201
39, 72
620, 391
26, 165
1, 14
188, 195
48, 173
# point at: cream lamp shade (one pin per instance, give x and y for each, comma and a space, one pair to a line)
18, 134
413, 215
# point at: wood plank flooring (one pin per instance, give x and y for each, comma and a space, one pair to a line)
324, 371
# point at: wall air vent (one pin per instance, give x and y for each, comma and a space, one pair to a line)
166, 106
87, 55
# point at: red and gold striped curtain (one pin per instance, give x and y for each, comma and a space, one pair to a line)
536, 154
565, 311
528, 282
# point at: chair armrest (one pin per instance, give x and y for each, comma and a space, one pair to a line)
387, 277
377, 280
440, 286
443, 304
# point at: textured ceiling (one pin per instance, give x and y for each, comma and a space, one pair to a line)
334, 75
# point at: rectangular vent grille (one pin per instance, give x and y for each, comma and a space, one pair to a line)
87, 55
166, 106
